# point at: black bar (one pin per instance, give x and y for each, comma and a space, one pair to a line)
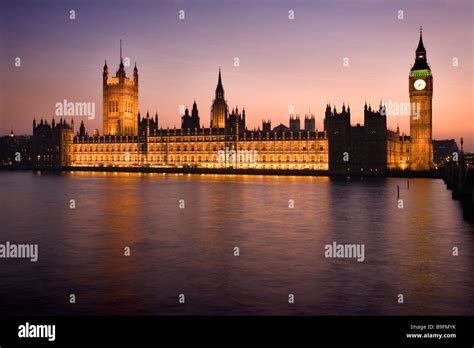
192, 330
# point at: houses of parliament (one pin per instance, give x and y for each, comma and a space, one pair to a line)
131, 139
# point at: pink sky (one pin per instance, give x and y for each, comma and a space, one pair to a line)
282, 62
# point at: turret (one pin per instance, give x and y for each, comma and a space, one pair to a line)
105, 74
135, 75
266, 125
327, 113
195, 123
82, 130
121, 71
295, 123
309, 123
147, 124
186, 120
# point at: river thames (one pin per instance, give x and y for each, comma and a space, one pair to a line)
183, 230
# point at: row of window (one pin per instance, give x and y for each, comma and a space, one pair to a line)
114, 106
191, 158
185, 138
86, 148
271, 166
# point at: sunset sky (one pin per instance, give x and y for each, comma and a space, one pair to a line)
282, 62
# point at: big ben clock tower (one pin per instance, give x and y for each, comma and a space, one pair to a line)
421, 97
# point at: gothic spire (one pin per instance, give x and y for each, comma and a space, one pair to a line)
421, 62
219, 88
121, 70
421, 47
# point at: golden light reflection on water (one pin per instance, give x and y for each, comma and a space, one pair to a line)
408, 250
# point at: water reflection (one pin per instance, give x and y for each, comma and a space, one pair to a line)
191, 251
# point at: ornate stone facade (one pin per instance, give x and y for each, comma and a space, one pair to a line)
421, 99
120, 101
203, 148
129, 140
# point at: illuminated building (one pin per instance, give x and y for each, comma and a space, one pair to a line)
369, 148
130, 140
219, 109
194, 146
120, 101
421, 98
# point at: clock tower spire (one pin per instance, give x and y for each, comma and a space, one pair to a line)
219, 109
421, 100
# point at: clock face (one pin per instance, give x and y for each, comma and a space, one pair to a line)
420, 84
